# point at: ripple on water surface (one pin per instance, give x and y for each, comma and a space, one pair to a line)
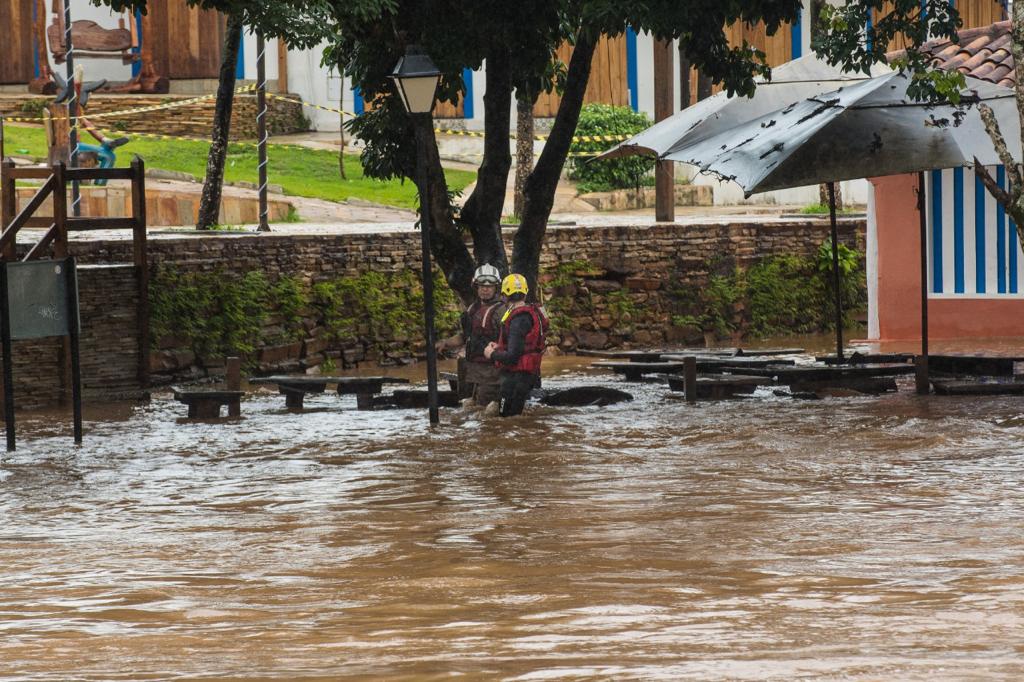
755, 539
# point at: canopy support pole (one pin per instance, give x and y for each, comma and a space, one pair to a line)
921, 374
836, 276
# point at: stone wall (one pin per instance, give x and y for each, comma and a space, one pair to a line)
637, 266
632, 266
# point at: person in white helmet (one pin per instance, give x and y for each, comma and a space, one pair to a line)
480, 326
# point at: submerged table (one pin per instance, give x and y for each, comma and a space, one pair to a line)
295, 388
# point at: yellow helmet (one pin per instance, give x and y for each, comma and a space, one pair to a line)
514, 284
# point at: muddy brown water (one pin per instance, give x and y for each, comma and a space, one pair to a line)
853, 538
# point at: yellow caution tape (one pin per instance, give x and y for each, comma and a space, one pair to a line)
129, 112
182, 138
457, 133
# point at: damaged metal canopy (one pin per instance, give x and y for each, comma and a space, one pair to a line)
866, 129
791, 82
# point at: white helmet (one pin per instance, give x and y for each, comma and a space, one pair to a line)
487, 274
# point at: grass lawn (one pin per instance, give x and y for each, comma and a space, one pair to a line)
301, 172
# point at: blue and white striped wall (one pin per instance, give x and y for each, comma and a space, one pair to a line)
973, 249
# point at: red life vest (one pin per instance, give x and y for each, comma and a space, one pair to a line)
533, 344
482, 329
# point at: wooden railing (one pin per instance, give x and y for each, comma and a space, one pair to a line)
54, 241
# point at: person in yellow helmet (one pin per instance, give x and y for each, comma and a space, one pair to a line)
520, 346
480, 325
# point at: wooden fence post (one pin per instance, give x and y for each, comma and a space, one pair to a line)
141, 264
8, 203
60, 210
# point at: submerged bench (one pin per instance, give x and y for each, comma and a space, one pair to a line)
295, 388
862, 378
635, 371
962, 387
206, 404
720, 386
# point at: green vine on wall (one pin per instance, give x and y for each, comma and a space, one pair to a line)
778, 295
217, 314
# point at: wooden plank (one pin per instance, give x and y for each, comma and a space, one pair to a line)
953, 387
11, 231
83, 224
37, 250
282, 66
98, 174
186, 42
17, 65
609, 82
31, 173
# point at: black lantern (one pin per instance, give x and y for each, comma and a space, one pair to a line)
416, 79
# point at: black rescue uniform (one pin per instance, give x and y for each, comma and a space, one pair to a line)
520, 349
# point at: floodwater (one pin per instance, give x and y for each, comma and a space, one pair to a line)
852, 539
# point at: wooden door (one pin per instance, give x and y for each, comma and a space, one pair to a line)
973, 13
609, 83
17, 63
186, 41
778, 48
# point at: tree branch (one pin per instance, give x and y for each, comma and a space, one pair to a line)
481, 213
446, 241
988, 117
539, 194
1000, 194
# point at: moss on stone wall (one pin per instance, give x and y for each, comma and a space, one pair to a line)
209, 315
778, 295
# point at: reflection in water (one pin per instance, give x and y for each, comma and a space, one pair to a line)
755, 539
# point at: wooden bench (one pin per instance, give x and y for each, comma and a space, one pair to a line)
959, 387
295, 388
720, 386
206, 404
635, 371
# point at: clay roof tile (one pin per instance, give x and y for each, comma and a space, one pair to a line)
983, 52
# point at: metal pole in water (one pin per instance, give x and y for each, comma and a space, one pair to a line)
76, 196
428, 279
836, 277
261, 127
921, 362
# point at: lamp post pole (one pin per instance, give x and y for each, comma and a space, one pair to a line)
428, 276
416, 79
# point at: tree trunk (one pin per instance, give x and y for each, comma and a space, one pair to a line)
704, 87
446, 242
209, 205
539, 194
481, 213
1011, 199
341, 148
684, 77
524, 148
823, 195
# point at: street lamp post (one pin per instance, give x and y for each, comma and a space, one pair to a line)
416, 78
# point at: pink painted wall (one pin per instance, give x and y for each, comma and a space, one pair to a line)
899, 279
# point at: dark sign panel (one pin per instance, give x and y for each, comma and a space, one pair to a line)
38, 299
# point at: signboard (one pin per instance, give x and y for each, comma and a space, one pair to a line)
37, 298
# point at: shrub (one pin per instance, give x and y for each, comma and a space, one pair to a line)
603, 175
